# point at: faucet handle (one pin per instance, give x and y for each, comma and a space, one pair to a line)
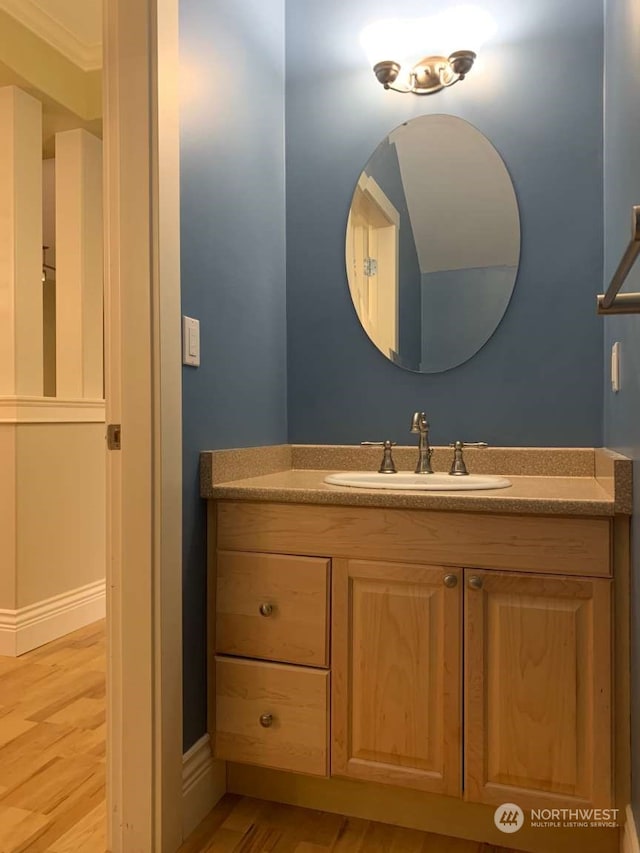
387, 466
419, 422
458, 466
462, 444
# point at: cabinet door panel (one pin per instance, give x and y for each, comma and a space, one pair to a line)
538, 690
396, 675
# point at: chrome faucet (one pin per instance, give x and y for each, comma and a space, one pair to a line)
420, 426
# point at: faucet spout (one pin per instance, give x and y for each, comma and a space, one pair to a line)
420, 425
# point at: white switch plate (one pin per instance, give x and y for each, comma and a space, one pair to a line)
191, 341
615, 367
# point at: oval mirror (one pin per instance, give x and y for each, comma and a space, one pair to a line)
433, 242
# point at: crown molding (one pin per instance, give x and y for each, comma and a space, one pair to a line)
88, 57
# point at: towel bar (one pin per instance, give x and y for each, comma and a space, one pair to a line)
612, 302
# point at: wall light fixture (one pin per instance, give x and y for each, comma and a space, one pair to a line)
428, 75
394, 48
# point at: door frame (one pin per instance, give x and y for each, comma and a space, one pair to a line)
143, 392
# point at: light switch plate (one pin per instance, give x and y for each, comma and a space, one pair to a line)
190, 341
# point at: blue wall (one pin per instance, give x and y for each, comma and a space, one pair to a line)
622, 190
539, 379
233, 266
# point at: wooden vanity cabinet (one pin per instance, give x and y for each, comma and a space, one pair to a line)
471, 655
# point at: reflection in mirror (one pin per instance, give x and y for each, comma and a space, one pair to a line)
432, 244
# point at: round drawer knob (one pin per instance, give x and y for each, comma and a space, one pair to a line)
475, 582
266, 720
266, 609
450, 581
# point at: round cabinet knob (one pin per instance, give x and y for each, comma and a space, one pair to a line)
475, 582
266, 609
450, 581
266, 720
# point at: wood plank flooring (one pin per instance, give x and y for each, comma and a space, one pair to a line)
52, 746
244, 825
52, 774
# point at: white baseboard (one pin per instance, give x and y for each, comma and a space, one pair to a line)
203, 783
629, 842
29, 627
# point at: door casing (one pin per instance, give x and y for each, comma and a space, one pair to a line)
143, 391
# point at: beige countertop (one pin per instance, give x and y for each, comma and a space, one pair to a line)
589, 481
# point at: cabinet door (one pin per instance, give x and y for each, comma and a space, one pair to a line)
396, 670
538, 690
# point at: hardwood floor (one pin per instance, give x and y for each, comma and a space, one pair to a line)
244, 825
52, 774
52, 746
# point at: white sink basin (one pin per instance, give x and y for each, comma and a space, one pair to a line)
422, 482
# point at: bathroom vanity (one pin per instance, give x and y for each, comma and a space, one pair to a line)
422, 658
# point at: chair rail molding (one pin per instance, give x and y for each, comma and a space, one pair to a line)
44, 410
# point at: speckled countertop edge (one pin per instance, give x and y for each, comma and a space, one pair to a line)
589, 481
435, 501
614, 472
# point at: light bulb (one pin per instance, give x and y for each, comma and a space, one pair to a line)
386, 40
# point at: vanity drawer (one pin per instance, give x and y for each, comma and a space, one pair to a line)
273, 606
272, 715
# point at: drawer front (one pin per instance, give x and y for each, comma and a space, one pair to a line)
273, 607
272, 715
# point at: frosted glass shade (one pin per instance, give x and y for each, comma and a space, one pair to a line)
406, 40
